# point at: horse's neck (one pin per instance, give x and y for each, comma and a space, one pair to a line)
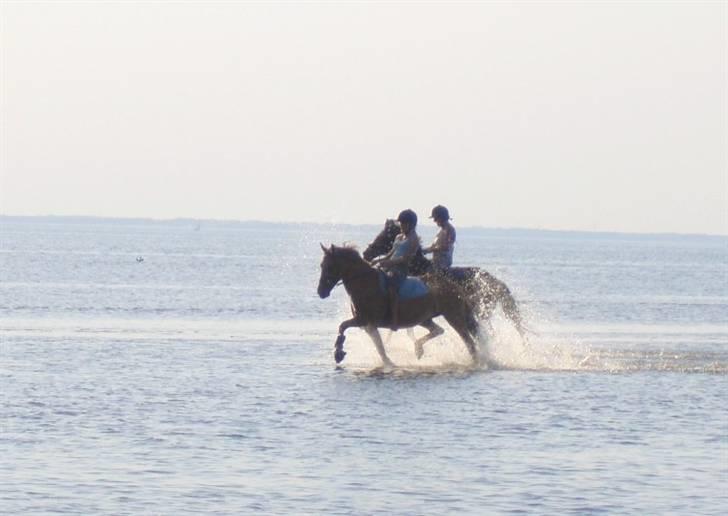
382, 248
390, 241
420, 264
360, 280
387, 242
356, 271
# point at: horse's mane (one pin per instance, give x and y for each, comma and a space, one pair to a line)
348, 252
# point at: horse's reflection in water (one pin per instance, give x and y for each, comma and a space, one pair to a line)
371, 303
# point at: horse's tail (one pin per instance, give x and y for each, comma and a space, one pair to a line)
472, 324
510, 308
501, 293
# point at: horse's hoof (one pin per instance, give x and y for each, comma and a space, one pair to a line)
419, 351
480, 362
339, 354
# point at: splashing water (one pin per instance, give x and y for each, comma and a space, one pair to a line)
551, 347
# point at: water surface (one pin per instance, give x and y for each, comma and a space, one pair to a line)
201, 379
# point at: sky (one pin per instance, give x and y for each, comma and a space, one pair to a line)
590, 116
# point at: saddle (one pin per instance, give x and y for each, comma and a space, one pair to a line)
411, 288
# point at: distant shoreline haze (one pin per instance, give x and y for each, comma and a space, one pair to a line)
375, 227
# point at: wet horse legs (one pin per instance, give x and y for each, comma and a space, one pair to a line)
435, 330
339, 352
374, 334
464, 325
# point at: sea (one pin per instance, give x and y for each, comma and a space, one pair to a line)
185, 366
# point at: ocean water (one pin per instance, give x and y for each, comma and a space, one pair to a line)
201, 377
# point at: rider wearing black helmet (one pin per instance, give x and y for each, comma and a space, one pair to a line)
395, 263
444, 244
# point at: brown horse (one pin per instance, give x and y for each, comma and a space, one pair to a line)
371, 303
484, 291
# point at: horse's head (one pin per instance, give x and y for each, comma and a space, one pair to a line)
330, 274
338, 263
383, 241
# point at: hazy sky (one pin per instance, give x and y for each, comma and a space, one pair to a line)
589, 116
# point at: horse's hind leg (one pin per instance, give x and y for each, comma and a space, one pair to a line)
460, 325
374, 334
472, 324
470, 343
435, 331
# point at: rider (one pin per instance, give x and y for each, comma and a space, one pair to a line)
396, 261
444, 244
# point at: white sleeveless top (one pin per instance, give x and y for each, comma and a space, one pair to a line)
442, 258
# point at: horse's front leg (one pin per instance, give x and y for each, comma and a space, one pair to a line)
435, 331
349, 323
374, 334
339, 352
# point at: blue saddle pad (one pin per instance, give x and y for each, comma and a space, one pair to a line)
410, 288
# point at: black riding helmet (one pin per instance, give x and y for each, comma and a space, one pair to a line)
439, 212
408, 216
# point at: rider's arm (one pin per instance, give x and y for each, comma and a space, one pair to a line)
442, 241
412, 244
381, 259
410, 251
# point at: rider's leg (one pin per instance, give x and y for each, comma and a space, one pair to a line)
394, 305
394, 281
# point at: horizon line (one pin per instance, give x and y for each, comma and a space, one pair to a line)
283, 222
